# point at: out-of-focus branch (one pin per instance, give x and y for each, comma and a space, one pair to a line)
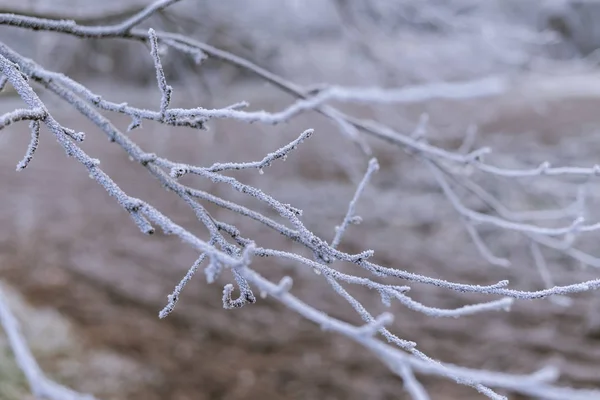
91, 14
39, 384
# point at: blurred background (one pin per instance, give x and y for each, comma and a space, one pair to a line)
87, 286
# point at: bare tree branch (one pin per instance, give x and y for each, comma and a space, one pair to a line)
228, 251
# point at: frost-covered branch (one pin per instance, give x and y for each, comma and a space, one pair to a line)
21, 115
40, 385
350, 217
229, 252
34, 126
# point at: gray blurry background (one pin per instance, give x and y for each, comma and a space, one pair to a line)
88, 286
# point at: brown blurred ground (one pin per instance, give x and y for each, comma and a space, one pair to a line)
65, 245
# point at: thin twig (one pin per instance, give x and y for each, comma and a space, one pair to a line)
34, 127
350, 217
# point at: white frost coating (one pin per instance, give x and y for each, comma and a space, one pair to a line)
228, 250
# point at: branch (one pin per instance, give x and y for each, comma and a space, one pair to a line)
34, 126
350, 217
237, 257
39, 384
10, 118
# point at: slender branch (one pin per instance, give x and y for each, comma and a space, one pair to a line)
34, 126
412, 385
165, 90
350, 217
39, 384
22, 115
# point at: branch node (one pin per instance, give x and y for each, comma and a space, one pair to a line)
179, 170
284, 286
147, 158
371, 328
136, 122
76, 136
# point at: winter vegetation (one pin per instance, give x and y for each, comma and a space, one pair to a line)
543, 208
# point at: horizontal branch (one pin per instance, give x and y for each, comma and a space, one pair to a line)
21, 114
